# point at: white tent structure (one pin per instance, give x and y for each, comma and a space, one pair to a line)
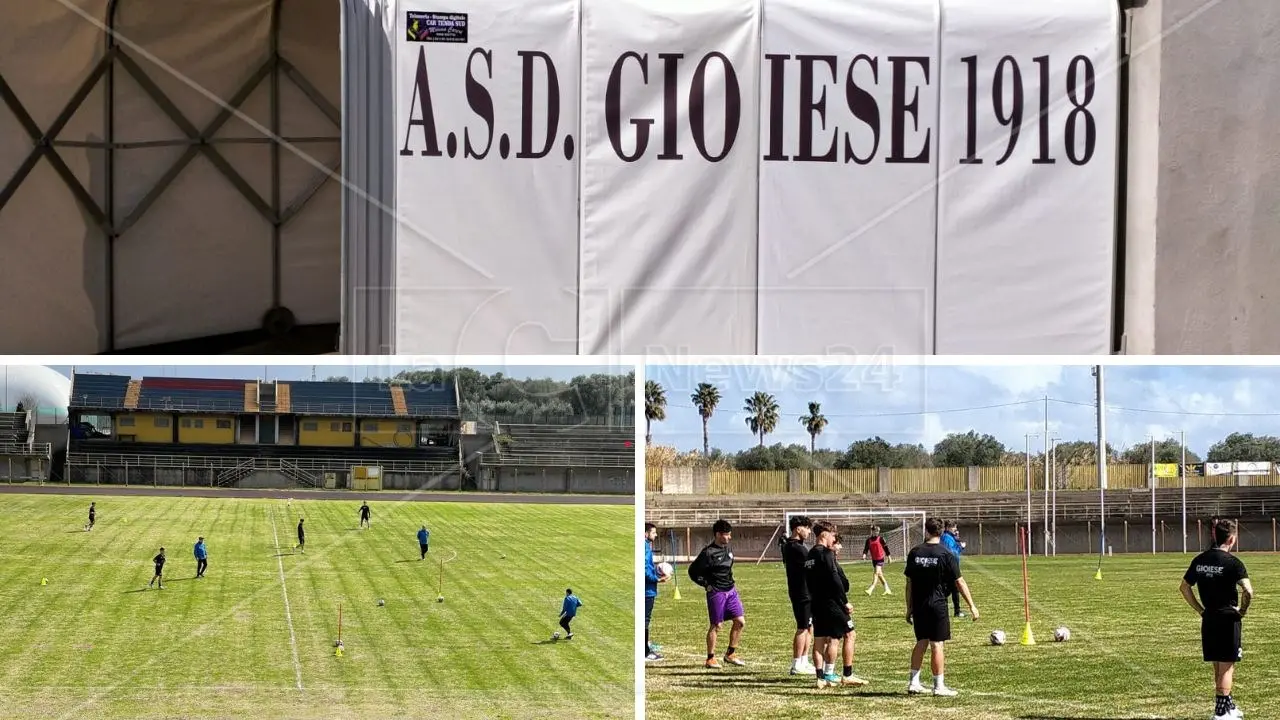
168, 170
41, 389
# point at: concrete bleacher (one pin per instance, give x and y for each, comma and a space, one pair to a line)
430, 400
93, 392
191, 394
577, 444
339, 398
13, 430
338, 456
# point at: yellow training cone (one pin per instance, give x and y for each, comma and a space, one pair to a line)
1027, 637
677, 595
44, 581
1098, 575
337, 652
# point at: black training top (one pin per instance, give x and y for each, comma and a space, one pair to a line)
300, 532
91, 512
826, 580
1217, 573
159, 561
933, 571
713, 568
364, 510
794, 556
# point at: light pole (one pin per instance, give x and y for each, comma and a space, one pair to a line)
1053, 517
1027, 455
1182, 473
1048, 474
1154, 481
1100, 389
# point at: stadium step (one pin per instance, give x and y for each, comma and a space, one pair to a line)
283, 404
397, 401
131, 394
251, 397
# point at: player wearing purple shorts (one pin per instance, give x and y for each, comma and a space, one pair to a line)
713, 570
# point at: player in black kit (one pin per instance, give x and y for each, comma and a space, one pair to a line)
159, 561
932, 571
832, 613
1217, 573
794, 555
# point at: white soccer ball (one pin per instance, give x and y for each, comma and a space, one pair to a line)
666, 569
997, 637
555, 636
381, 602
1062, 634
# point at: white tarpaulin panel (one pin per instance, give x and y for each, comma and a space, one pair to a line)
1026, 207
849, 160
487, 177
669, 191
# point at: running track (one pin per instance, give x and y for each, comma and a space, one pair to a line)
382, 495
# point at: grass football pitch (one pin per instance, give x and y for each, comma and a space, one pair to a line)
1134, 651
255, 637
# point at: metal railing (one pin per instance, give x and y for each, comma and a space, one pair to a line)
225, 462
507, 458
43, 450
621, 420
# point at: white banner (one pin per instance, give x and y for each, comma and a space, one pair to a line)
1253, 468
849, 159
756, 176
487, 181
1026, 207
669, 176
1214, 468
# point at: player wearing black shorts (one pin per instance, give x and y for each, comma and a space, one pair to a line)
794, 555
1217, 573
159, 561
364, 515
932, 571
302, 538
93, 514
832, 612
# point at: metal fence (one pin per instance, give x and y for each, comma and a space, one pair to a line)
922, 481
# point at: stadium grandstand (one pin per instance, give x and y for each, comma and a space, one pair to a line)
326, 434
989, 503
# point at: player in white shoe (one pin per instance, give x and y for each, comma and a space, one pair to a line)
794, 555
1218, 574
932, 571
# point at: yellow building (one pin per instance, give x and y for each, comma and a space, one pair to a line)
207, 430
326, 432
387, 433
144, 428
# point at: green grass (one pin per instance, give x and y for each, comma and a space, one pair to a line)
1134, 653
93, 643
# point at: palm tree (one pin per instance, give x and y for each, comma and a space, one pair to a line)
762, 416
814, 423
705, 398
655, 407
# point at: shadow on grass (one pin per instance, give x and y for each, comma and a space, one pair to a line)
1077, 717
284, 554
545, 642
126, 592
405, 561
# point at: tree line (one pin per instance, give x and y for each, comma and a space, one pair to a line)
971, 448
496, 396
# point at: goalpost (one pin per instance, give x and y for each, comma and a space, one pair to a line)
901, 529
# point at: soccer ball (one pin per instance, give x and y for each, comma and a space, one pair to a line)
381, 602
665, 569
440, 598
997, 637
555, 636
1061, 635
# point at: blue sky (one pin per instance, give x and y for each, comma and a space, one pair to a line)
304, 372
922, 404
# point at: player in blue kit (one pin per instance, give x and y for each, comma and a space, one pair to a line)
568, 611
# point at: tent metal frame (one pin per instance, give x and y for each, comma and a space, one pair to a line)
198, 141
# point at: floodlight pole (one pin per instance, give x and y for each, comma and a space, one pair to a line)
1182, 473
1053, 527
1027, 454
1154, 482
1048, 450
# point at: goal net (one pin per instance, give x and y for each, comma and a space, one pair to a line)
900, 529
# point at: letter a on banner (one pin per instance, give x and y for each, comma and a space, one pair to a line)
849, 161
1026, 206
487, 177
669, 211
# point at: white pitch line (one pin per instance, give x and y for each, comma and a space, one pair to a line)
288, 614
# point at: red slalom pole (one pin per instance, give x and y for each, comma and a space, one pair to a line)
1027, 637
339, 623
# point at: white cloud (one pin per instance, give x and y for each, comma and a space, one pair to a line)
1021, 381
934, 430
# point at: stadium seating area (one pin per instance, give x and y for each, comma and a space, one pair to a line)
430, 400
13, 430
98, 391
340, 398
191, 394
340, 456
562, 445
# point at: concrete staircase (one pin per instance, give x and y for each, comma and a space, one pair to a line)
397, 401
283, 404
131, 395
251, 397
